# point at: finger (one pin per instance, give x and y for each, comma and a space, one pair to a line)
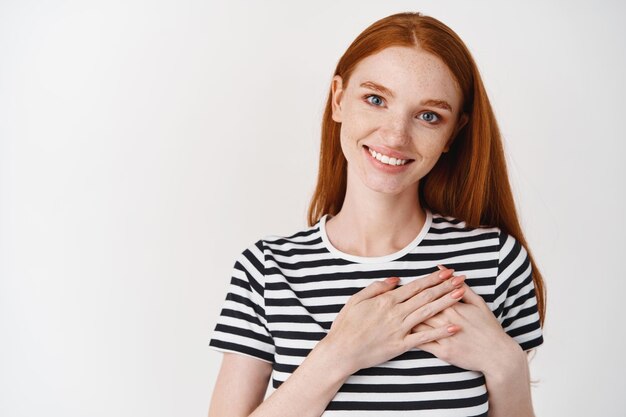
422, 327
431, 347
471, 297
439, 319
430, 335
429, 310
419, 284
431, 294
374, 289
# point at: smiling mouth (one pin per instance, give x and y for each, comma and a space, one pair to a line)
388, 160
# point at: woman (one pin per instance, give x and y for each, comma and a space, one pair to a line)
412, 291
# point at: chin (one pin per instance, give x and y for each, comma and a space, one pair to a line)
391, 189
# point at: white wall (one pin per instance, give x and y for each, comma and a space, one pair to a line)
144, 144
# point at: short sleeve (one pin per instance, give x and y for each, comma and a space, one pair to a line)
515, 299
242, 326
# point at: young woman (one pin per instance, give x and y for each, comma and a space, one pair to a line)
412, 291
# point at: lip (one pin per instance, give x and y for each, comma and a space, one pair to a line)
390, 169
387, 151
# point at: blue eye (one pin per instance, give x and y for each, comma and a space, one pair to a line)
374, 99
430, 117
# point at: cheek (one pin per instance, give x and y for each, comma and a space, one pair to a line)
347, 141
431, 149
344, 136
354, 129
359, 118
431, 144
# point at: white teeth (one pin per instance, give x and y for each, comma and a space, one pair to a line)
386, 159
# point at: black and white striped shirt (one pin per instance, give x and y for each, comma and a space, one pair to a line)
285, 293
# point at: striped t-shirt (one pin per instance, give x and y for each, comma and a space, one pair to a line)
285, 292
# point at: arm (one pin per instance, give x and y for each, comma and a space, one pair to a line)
307, 392
240, 385
374, 326
509, 386
494, 346
242, 382
483, 345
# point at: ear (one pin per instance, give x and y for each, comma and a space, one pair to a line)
336, 89
460, 124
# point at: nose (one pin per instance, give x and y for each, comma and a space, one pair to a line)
396, 129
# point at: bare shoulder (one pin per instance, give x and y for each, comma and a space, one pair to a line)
240, 386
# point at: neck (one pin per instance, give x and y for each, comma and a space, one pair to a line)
384, 225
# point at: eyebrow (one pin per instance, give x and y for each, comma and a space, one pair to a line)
377, 87
442, 104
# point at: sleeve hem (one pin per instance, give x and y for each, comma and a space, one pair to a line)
531, 344
228, 350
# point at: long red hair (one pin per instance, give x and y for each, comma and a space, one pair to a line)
470, 181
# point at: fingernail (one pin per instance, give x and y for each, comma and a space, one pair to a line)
441, 267
393, 280
446, 273
457, 293
456, 281
453, 328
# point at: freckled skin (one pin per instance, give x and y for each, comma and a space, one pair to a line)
398, 122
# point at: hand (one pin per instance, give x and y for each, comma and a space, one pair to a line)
481, 344
375, 324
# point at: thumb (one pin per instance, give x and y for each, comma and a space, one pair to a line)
376, 288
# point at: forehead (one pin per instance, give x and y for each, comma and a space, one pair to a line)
408, 72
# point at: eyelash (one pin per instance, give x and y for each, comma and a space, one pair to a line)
367, 99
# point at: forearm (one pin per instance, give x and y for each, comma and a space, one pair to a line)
307, 392
509, 387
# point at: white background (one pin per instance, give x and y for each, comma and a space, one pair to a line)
144, 144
